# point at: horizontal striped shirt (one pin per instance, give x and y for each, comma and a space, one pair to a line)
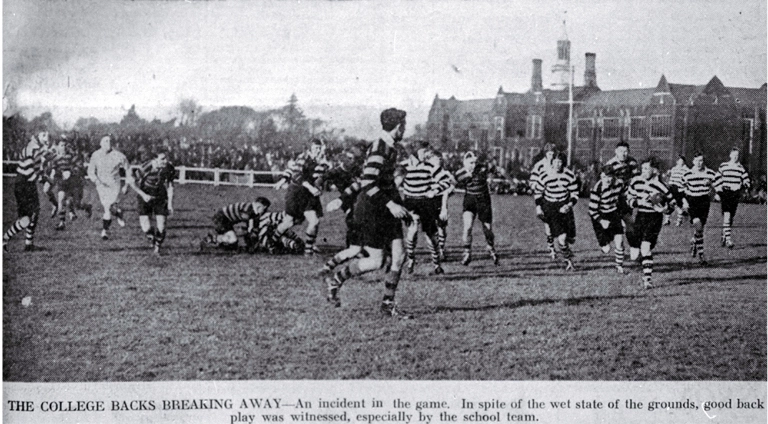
555, 187
347, 181
418, 177
538, 169
624, 170
699, 183
676, 175
640, 189
30, 163
154, 181
604, 199
734, 177
443, 181
476, 182
378, 179
240, 212
63, 163
306, 169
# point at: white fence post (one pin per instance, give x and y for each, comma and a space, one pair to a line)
251, 178
182, 175
216, 177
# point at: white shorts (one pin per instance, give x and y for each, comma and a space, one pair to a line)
108, 194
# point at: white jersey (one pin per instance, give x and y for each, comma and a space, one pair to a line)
106, 167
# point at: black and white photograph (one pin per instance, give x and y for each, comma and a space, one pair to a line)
409, 211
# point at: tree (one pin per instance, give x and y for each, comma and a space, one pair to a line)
190, 112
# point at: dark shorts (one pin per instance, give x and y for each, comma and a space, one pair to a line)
353, 234
376, 226
480, 206
647, 227
299, 200
157, 206
428, 211
729, 201
605, 235
27, 200
559, 223
677, 194
222, 224
698, 207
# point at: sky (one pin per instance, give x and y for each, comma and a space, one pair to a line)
105, 56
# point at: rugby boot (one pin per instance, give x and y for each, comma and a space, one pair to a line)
466, 259
569, 265
409, 265
439, 270
552, 253
333, 287
693, 248
729, 244
104, 235
620, 269
494, 257
647, 284
60, 226
120, 221
88, 211
54, 211
29, 247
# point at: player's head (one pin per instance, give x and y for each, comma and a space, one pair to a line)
392, 119
680, 160
734, 154
470, 161
61, 147
43, 136
622, 150
160, 160
549, 151
558, 161
607, 174
106, 143
433, 158
698, 160
261, 204
316, 147
650, 167
421, 152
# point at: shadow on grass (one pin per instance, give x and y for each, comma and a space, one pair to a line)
698, 280
573, 301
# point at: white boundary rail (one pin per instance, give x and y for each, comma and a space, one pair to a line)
210, 176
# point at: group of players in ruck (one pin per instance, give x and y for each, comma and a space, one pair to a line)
380, 193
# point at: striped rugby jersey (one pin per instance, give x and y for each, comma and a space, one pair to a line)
268, 223
378, 179
240, 212
699, 183
63, 163
442, 181
154, 181
539, 168
604, 200
676, 175
347, 181
30, 163
306, 169
624, 170
418, 177
555, 187
639, 190
734, 177
476, 183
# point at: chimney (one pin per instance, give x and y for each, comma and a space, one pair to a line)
536, 84
590, 75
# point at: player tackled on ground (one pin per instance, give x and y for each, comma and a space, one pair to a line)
154, 184
304, 176
698, 184
473, 176
104, 170
378, 212
264, 238
226, 218
734, 180
28, 173
556, 194
604, 212
651, 198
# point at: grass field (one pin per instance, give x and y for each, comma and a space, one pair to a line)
112, 311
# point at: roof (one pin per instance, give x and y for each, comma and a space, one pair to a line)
630, 97
749, 96
475, 107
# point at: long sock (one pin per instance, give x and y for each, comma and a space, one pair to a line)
618, 253
432, 246
346, 273
30, 230
159, 238
105, 223
309, 245
550, 242
565, 250
63, 214
410, 245
442, 233
490, 238
698, 237
727, 230
647, 268
52, 198
390, 286
17, 226
150, 234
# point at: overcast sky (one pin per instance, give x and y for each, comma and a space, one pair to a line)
154, 53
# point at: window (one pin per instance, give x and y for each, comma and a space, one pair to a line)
498, 126
584, 129
611, 128
662, 154
661, 126
636, 129
533, 127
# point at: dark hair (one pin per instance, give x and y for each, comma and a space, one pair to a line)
264, 201
391, 118
698, 153
735, 149
316, 141
608, 170
622, 143
653, 161
682, 157
562, 156
549, 147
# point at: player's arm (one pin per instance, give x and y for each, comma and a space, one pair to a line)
285, 176
131, 182
746, 182
595, 196
169, 190
92, 171
372, 178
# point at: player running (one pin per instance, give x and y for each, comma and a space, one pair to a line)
677, 189
61, 174
154, 184
604, 212
28, 174
226, 218
651, 198
698, 184
304, 177
378, 212
556, 194
473, 177
542, 166
444, 185
76, 189
735, 180
104, 171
